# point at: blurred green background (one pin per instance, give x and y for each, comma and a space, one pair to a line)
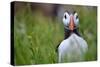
36, 34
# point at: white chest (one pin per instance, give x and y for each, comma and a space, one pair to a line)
72, 49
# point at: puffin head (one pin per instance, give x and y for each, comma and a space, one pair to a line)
70, 20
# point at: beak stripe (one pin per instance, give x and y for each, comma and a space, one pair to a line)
71, 24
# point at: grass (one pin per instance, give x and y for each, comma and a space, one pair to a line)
36, 37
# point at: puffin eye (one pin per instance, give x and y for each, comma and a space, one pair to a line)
76, 17
65, 17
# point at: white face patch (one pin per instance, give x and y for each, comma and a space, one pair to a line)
76, 19
66, 19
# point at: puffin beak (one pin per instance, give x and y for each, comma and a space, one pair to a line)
71, 24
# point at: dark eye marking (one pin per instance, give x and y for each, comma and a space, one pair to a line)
74, 12
76, 17
65, 17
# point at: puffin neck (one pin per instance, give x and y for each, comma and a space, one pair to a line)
68, 32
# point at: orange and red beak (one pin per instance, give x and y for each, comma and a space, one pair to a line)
71, 24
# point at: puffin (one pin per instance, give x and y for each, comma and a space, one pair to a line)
73, 48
